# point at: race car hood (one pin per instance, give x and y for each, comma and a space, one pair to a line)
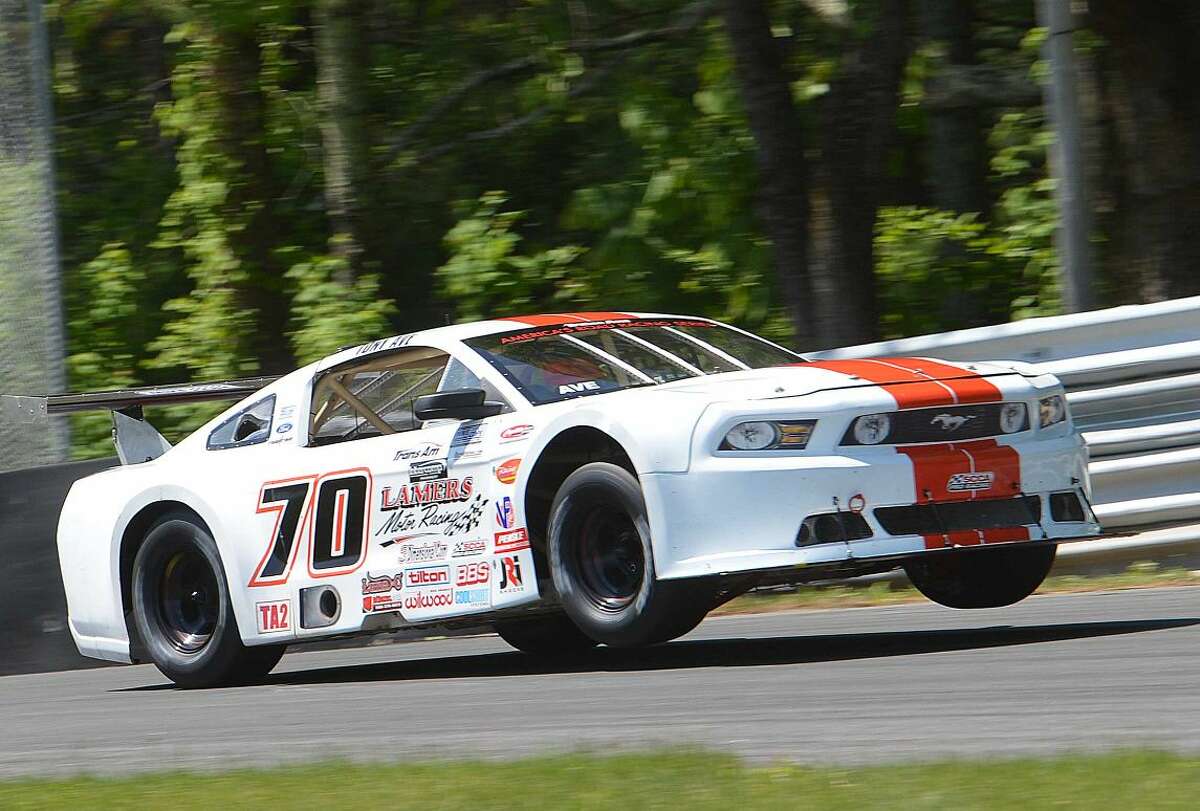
911, 379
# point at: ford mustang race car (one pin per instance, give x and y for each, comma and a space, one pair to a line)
569, 479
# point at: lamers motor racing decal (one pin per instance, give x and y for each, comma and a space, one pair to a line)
415, 494
451, 519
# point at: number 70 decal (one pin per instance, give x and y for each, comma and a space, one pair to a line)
331, 511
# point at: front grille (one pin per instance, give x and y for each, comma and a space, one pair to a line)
955, 516
949, 424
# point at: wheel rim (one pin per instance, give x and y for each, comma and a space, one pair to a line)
610, 559
188, 601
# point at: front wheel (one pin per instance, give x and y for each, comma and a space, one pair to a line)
183, 613
981, 578
603, 568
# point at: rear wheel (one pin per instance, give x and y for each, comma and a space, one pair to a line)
603, 568
981, 578
546, 635
183, 613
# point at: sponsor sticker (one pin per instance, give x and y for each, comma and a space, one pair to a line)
506, 472
512, 541
506, 514
395, 342
468, 433
438, 491
419, 552
284, 428
427, 470
858, 503
426, 451
378, 592
449, 519
511, 575
470, 574
515, 433
472, 598
463, 549
273, 617
960, 482
424, 602
427, 576
576, 388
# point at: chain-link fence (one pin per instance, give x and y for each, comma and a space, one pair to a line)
31, 320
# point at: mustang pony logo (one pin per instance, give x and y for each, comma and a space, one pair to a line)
950, 423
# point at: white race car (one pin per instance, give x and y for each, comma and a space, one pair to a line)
569, 479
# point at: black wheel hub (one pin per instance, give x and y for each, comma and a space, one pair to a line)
188, 601
610, 559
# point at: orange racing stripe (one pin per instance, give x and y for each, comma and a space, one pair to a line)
557, 319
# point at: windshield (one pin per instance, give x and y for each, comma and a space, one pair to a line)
548, 364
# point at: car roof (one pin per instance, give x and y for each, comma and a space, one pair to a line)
461, 332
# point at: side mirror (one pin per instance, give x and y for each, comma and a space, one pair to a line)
461, 404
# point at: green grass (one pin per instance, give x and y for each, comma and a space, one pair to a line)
683, 780
1137, 576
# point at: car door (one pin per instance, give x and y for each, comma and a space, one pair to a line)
429, 493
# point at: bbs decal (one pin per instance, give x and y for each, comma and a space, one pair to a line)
331, 512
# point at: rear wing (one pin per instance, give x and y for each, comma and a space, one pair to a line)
136, 440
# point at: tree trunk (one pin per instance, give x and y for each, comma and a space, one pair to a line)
956, 155
242, 123
783, 181
858, 118
341, 87
1154, 101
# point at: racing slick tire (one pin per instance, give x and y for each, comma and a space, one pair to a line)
183, 613
603, 567
982, 578
547, 635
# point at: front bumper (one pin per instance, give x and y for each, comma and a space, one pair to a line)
730, 515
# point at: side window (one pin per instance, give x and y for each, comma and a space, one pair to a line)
250, 426
374, 397
458, 376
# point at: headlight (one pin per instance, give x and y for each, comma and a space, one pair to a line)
872, 429
1051, 410
764, 435
1012, 417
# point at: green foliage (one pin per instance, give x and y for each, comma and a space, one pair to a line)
485, 276
104, 304
329, 314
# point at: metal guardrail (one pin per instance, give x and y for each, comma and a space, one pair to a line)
1133, 382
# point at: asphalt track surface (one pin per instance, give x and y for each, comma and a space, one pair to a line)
1064, 673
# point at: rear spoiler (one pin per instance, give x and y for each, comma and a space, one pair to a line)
136, 440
